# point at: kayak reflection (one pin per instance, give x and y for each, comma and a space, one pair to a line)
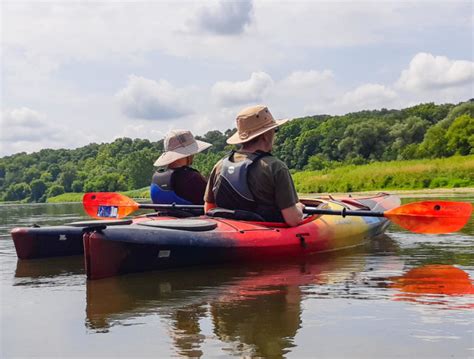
38, 271
255, 309
435, 284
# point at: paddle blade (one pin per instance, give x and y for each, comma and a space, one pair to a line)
431, 216
108, 205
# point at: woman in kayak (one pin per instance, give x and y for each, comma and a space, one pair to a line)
177, 182
251, 179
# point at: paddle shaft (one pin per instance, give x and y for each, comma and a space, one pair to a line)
344, 212
170, 206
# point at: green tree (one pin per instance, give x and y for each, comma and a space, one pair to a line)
55, 190
317, 162
365, 139
109, 182
3, 169
217, 138
410, 131
67, 176
138, 168
38, 190
77, 186
46, 177
434, 144
54, 170
460, 136
18, 192
31, 174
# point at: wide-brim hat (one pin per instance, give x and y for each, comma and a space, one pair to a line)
253, 122
180, 144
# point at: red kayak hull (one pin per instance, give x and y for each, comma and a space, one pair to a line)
141, 247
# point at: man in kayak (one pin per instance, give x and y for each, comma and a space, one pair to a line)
177, 182
251, 178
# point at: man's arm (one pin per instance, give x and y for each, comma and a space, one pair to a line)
293, 215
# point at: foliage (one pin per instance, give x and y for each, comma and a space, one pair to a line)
38, 190
311, 143
55, 190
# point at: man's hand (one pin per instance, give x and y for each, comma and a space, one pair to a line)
293, 215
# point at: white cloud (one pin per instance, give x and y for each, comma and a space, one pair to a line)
428, 72
24, 124
228, 93
143, 130
152, 100
308, 79
224, 17
26, 130
367, 97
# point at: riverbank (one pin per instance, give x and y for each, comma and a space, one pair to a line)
441, 173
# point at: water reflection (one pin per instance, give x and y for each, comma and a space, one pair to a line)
50, 272
435, 285
49, 267
256, 310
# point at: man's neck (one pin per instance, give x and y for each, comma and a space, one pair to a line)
254, 148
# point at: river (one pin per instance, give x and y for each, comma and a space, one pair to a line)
371, 302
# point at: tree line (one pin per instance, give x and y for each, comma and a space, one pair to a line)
310, 143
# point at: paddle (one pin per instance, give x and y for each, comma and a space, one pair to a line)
420, 217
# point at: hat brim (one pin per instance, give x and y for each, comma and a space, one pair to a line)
181, 152
235, 138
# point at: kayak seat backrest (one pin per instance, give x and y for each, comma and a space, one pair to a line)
178, 213
237, 214
357, 203
193, 225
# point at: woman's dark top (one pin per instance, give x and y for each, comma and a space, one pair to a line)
189, 184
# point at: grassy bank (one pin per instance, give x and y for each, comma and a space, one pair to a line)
452, 172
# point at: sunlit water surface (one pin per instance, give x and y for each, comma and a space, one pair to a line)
403, 295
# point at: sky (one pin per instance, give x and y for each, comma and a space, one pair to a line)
76, 72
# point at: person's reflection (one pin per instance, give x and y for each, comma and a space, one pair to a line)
264, 325
186, 331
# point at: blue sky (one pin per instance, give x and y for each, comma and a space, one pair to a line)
81, 72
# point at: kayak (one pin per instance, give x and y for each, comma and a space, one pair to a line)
160, 242
55, 241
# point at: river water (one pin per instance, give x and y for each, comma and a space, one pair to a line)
403, 295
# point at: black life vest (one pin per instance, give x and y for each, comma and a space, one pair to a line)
161, 188
232, 190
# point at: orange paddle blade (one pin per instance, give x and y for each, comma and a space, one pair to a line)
108, 205
431, 216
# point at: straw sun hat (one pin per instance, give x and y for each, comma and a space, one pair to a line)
252, 122
180, 144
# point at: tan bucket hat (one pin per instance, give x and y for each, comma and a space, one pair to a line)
180, 144
252, 122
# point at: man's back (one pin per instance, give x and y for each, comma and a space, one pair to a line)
268, 179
